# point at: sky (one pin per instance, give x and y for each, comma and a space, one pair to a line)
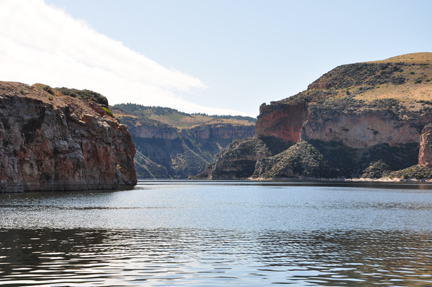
208, 56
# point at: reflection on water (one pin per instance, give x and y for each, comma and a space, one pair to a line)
210, 234
193, 257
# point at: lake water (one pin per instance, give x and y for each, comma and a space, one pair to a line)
187, 233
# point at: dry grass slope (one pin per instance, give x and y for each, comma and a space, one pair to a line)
407, 78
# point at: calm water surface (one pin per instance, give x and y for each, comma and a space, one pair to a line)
183, 233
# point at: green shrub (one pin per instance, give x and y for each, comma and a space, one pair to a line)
405, 176
108, 111
411, 73
46, 88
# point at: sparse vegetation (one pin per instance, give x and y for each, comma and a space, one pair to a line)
84, 94
416, 171
45, 88
174, 117
108, 111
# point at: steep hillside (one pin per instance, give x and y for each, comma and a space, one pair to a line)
355, 119
173, 144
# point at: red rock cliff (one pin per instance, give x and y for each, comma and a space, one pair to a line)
281, 120
60, 143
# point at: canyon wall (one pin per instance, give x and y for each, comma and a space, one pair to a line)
358, 125
169, 152
151, 130
56, 142
358, 120
220, 131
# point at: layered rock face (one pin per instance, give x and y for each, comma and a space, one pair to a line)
219, 131
56, 142
146, 131
358, 120
357, 125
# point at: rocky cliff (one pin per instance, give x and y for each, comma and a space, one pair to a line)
173, 144
358, 120
425, 154
50, 141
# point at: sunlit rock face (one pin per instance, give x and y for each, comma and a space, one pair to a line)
365, 125
281, 120
221, 131
425, 153
57, 142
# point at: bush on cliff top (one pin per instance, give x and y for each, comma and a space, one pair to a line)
45, 88
84, 94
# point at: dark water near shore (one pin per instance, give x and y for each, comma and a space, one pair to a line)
217, 233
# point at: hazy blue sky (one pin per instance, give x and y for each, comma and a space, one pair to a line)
244, 53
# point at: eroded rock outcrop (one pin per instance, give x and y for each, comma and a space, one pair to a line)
237, 160
300, 160
240, 158
281, 120
56, 142
425, 153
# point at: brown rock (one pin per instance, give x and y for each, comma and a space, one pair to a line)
53, 142
284, 121
219, 131
425, 153
366, 128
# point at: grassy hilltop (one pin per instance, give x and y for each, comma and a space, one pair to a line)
407, 78
176, 118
